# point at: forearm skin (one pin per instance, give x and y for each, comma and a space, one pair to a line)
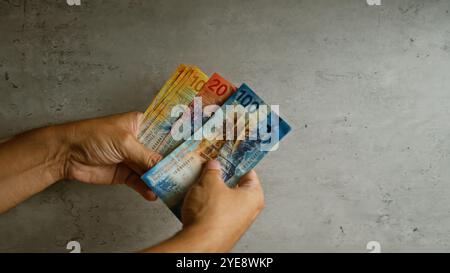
29, 163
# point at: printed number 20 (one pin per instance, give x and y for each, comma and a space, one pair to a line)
220, 89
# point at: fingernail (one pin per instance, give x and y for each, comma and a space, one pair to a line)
213, 165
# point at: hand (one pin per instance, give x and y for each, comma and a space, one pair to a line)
212, 205
106, 151
215, 216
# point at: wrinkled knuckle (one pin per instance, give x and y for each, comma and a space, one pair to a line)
137, 116
132, 120
212, 173
151, 160
126, 138
136, 113
157, 157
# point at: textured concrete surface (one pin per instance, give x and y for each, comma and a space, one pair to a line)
365, 88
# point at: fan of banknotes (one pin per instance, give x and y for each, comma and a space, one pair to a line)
188, 137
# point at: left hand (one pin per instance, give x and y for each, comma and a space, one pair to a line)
106, 151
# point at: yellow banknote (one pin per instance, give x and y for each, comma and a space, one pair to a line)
174, 88
163, 92
162, 120
166, 87
181, 74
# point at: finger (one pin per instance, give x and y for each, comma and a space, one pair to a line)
250, 184
139, 157
136, 155
124, 175
136, 119
138, 185
250, 180
94, 174
106, 174
121, 174
212, 172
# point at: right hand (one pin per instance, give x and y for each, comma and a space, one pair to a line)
216, 208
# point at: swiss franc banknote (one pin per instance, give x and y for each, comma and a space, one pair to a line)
172, 177
171, 83
158, 121
215, 92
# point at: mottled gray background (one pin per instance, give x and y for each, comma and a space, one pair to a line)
367, 90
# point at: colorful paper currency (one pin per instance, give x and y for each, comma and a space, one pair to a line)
214, 92
255, 133
162, 94
158, 121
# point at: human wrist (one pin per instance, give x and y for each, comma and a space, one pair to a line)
210, 237
58, 143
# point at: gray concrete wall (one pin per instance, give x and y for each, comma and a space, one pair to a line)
367, 90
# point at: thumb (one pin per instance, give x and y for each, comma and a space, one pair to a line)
139, 157
250, 181
250, 184
212, 172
